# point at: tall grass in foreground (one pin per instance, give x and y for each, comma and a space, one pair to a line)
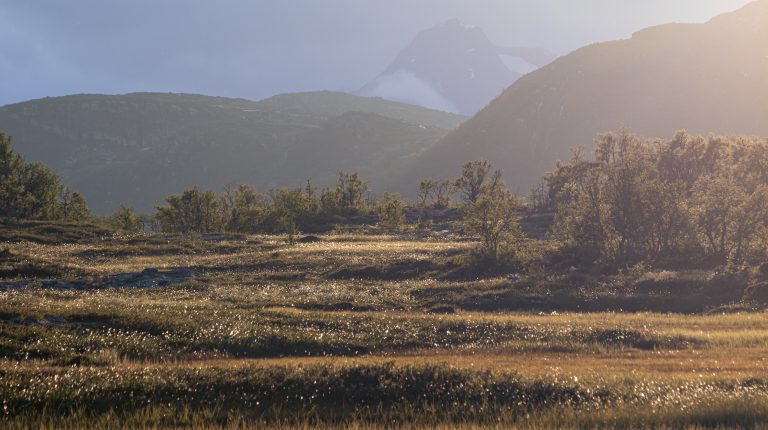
715, 413
364, 395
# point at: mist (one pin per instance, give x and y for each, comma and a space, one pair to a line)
239, 48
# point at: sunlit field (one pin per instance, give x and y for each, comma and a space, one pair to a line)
346, 331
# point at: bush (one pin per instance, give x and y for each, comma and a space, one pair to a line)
193, 211
33, 191
126, 219
391, 212
493, 216
650, 201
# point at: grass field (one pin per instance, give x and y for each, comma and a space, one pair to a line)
359, 331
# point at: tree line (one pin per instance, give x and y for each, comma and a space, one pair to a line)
33, 191
683, 201
247, 210
490, 209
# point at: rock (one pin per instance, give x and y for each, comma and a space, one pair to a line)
52, 321
14, 285
64, 285
150, 277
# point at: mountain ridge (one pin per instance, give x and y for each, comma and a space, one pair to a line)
137, 148
452, 67
707, 78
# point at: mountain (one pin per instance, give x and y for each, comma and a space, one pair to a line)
359, 141
138, 148
706, 78
327, 104
453, 68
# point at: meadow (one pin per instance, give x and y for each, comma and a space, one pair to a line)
353, 330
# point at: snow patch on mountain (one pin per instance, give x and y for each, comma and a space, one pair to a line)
453, 67
518, 64
403, 86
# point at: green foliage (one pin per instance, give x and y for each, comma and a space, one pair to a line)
244, 209
290, 209
473, 176
494, 217
72, 206
281, 210
32, 191
391, 211
350, 191
11, 180
729, 215
538, 200
268, 144
663, 202
437, 192
126, 219
194, 211
287, 225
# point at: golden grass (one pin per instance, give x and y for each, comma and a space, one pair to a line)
262, 290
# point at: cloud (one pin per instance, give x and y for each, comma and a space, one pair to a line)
255, 49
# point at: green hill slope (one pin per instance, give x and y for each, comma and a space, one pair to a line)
710, 77
138, 148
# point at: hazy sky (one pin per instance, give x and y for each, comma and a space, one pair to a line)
257, 48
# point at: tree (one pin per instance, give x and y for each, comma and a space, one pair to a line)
537, 197
391, 211
442, 193
473, 176
656, 201
581, 219
126, 219
668, 226
11, 180
72, 206
437, 192
33, 191
626, 165
41, 189
291, 203
493, 216
329, 202
728, 216
426, 188
287, 225
559, 180
351, 190
243, 209
194, 211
